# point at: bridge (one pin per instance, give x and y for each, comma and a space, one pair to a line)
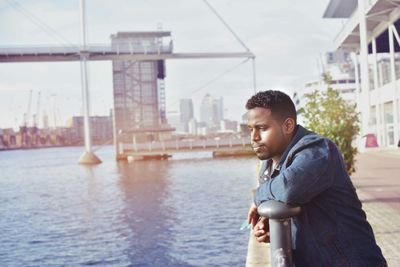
86, 52
219, 146
102, 52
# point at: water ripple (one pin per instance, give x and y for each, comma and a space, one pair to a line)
180, 212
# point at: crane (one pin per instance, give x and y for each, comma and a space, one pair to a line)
35, 128
24, 128
36, 115
28, 110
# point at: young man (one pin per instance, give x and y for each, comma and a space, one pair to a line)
302, 168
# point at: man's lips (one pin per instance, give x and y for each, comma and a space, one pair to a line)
256, 148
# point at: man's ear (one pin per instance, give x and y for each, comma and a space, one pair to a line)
289, 125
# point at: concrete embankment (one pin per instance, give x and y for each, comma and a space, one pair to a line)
257, 253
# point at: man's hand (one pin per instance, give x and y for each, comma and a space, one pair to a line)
261, 230
252, 216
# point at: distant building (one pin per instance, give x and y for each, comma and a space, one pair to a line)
244, 129
139, 89
229, 125
371, 34
206, 110
192, 126
211, 111
8, 138
339, 67
186, 112
174, 119
218, 111
202, 128
1, 139
101, 128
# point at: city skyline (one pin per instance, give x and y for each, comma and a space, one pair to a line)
276, 42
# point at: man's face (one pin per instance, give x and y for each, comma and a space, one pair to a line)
268, 137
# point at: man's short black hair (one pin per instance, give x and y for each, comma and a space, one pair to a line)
280, 104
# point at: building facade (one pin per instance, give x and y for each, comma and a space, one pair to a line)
186, 112
206, 110
371, 33
211, 112
339, 70
139, 88
101, 127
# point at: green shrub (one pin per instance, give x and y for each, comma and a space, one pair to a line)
328, 114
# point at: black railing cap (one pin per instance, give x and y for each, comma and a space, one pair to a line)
277, 210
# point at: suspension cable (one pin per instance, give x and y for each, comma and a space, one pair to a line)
38, 22
210, 82
226, 25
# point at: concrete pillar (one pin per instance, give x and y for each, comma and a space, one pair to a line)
393, 81
354, 57
88, 157
364, 97
377, 91
115, 135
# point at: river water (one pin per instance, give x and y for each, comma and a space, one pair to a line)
185, 211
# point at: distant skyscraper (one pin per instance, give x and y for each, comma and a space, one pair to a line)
186, 111
139, 91
218, 111
192, 126
174, 119
206, 110
211, 111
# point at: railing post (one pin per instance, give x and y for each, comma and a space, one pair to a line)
163, 145
279, 215
134, 142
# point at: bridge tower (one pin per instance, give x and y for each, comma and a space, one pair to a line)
139, 89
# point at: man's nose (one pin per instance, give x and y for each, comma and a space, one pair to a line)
255, 136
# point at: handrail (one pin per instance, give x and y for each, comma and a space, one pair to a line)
279, 215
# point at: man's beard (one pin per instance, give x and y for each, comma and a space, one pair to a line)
263, 153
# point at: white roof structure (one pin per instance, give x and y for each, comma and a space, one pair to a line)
378, 14
340, 9
372, 28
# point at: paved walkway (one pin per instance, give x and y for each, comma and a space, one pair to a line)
377, 180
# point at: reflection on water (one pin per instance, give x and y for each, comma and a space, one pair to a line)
180, 212
145, 187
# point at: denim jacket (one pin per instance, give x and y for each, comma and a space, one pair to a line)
332, 229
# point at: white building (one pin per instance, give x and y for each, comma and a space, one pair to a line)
371, 33
339, 66
211, 111
229, 125
206, 110
192, 126
186, 110
174, 119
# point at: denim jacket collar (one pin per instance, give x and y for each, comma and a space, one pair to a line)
300, 132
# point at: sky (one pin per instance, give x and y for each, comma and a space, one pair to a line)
286, 36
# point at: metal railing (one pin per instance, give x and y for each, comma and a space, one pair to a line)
188, 144
91, 48
279, 215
